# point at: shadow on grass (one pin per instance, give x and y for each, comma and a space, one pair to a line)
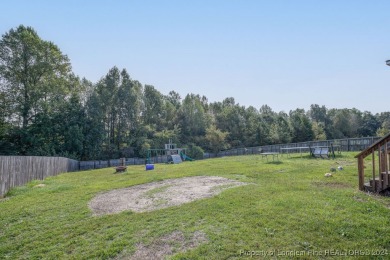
295, 157
310, 157
275, 162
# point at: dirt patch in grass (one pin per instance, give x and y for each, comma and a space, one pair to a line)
158, 195
167, 245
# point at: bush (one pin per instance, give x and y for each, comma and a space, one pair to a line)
195, 152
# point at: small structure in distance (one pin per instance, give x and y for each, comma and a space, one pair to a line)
170, 154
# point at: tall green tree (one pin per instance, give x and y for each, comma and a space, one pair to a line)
267, 114
318, 131
94, 129
254, 134
71, 120
32, 70
279, 130
153, 107
384, 129
216, 139
232, 119
174, 98
384, 120
369, 124
346, 122
319, 116
36, 79
268, 118
129, 111
318, 113
193, 119
58, 128
107, 92
3, 123
300, 125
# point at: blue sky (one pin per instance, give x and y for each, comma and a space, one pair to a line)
287, 54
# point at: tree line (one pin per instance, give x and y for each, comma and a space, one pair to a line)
46, 110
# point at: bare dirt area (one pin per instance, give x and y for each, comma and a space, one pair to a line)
167, 245
159, 195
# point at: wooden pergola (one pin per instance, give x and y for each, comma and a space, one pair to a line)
379, 153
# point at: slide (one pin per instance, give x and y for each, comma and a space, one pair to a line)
185, 157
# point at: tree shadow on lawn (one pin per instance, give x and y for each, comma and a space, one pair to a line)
275, 162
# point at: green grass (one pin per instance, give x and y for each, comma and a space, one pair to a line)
291, 207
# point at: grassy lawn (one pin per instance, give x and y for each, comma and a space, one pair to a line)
289, 208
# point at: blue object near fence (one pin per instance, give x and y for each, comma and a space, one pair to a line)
149, 167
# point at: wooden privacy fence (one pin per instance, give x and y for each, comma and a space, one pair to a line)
18, 170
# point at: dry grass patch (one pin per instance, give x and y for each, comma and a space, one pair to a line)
167, 245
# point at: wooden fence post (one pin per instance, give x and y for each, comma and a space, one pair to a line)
361, 172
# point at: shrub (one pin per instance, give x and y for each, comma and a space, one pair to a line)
195, 152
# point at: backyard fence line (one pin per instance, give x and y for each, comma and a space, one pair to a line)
347, 144
87, 165
19, 170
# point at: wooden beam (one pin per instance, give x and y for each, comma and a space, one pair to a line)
361, 172
372, 148
373, 172
379, 168
388, 159
386, 180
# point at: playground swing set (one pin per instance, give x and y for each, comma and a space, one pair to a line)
171, 154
